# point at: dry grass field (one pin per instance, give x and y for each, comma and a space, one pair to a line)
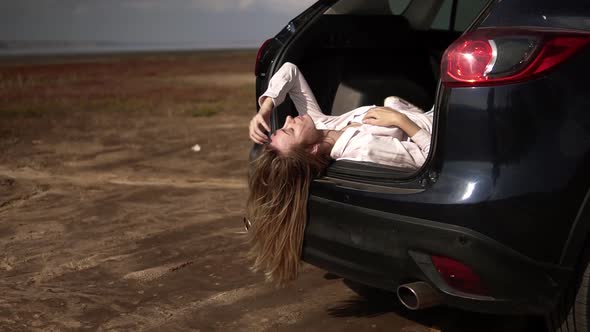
108, 218
111, 221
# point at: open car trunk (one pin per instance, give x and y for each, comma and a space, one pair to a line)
351, 60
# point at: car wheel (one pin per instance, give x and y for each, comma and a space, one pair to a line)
572, 313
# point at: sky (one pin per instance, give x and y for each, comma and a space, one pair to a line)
208, 23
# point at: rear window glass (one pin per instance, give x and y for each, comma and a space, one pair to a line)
361, 7
467, 11
442, 20
397, 7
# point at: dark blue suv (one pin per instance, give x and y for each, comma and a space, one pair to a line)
497, 220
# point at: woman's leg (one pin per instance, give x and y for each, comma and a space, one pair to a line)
289, 80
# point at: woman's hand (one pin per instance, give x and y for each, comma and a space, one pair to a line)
260, 123
384, 117
388, 117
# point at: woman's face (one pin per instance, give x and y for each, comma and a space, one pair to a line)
298, 131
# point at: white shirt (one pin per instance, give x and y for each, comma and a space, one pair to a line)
381, 145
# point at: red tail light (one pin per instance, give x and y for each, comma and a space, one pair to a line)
494, 56
459, 276
259, 56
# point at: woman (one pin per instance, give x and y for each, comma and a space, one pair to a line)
397, 134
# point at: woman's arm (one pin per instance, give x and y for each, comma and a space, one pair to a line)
388, 117
260, 122
287, 80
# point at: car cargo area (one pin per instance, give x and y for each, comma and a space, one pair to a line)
354, 60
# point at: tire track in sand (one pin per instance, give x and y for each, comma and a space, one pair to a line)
94, 178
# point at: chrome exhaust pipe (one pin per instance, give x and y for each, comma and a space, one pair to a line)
418, 295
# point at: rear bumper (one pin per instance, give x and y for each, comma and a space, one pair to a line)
385, 250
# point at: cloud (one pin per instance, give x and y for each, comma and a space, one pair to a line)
81, 9
271, 5
280, 6
221, 5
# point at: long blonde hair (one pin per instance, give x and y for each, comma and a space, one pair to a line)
277, 209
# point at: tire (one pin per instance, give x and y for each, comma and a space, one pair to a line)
572, 313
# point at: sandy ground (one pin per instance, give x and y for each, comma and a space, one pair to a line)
110, 221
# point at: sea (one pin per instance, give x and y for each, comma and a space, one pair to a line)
43, 48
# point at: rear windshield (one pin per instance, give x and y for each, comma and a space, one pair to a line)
465, 12
447, 15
